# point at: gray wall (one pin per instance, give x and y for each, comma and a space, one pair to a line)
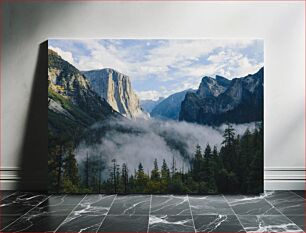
24, 72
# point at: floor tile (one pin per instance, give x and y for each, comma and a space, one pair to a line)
166, 223
5, 194
217, 223
286, 202
298, 220
131, 204
35, 223
20, 203
170, 205
48, 215
95, 204
209, 205
251, 205
266, 223
58, 200
88, 214
301, 193
7, 220
57, 205
127, 223
81, 223
169, 213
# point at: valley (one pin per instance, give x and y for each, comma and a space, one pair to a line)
104, 139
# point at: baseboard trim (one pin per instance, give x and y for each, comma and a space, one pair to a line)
285, 169
284, 185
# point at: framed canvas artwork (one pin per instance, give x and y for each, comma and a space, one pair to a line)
155, 116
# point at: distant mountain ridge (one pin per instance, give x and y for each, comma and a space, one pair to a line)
220, 100
170, 107
116, 89
148, 105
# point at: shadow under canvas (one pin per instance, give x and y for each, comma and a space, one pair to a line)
34, 152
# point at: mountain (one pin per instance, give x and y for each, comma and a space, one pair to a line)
148, 105
170, 107
72, 105
221, 100
116, 89
211, 87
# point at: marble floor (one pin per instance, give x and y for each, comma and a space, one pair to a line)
278, 211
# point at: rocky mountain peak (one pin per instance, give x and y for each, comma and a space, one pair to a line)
63, 77
222, 81
212, 87
220, 100
72, 104
116, 89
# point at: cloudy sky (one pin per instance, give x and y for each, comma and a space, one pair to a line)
162, 67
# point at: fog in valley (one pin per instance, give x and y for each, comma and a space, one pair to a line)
143, 140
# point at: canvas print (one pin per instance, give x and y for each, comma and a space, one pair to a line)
156, 116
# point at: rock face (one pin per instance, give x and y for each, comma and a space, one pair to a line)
170, 107
211, 87
72, 104
116, 89
221, 100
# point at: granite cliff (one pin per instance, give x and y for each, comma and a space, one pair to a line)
220, 100
116, 89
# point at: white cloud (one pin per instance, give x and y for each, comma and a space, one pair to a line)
66, 55
232, 64
185, 61
149, 95
102, 57
184, 56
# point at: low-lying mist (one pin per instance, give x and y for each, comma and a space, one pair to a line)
143, 140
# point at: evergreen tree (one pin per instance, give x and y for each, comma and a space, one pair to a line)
165, 172
217, 159
59, 168
131, 184
165, 177
140, 170
207, 152
70, 168
173, 167
255, 178
141, 179
211, 171
155, 175
114, 175
228, 150
176, 185
87, 171
100, 169
229, 135
245, 154
118, 177
197, 164
53, 168
198, 153
208, 169
125, 176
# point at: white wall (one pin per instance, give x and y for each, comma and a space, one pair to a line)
26, 25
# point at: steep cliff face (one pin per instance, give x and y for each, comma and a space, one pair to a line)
212, 87
72, 105
220, 100
116, 89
